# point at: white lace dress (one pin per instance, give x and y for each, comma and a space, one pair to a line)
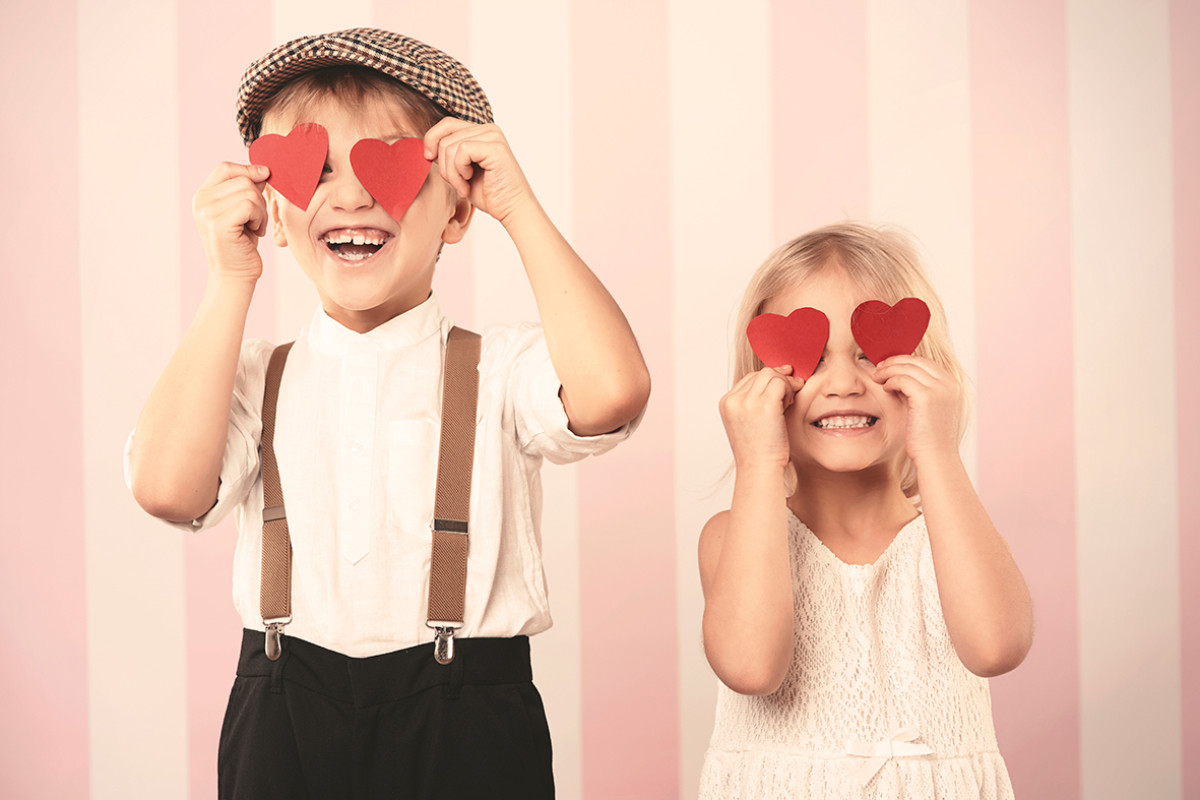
875, 704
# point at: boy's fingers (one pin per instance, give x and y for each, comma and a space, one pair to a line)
435, 136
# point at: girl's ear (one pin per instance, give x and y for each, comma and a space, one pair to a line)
273, 209
460, 220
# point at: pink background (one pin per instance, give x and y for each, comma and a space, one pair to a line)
1046, 153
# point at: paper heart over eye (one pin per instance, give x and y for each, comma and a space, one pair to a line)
883, 331
295, 160
392, 173
797, 339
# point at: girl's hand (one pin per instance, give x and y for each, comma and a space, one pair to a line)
933, 400
753, 415
477, 162
231, 215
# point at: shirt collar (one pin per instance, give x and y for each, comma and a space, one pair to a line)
326, 335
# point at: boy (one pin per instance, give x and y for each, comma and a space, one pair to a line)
353, 703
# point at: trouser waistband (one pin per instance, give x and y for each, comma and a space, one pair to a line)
388, 677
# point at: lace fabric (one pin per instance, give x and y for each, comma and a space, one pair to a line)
875, 703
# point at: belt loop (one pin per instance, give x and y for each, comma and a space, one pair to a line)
277, 670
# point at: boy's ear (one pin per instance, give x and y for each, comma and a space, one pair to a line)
273, 209
460, 220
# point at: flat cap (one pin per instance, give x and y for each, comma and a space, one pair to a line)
415, 64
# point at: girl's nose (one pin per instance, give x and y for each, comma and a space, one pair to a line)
843, 378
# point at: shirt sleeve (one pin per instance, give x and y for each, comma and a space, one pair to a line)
240, 464
533, 397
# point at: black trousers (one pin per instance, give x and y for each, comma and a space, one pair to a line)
317, 724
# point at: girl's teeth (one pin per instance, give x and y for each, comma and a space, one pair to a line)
844, 422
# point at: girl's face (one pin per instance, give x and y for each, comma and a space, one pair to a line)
841, 420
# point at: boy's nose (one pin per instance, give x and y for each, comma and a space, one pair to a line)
349, 194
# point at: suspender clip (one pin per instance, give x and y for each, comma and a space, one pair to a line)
443, 640
274, 638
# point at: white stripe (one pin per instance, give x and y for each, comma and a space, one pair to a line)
130, 293
514, 47
721, 217
1123, 282
920, 115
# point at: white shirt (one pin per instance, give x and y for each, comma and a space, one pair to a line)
357, 432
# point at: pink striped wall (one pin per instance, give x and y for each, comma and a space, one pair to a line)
1023, 272
680, 141
43, 633
628, 718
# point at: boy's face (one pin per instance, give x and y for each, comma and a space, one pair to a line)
367, 267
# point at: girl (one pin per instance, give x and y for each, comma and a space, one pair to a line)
851, 621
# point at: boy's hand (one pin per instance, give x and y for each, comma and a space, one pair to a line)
753, 415
933, 402
231, 215
477, 162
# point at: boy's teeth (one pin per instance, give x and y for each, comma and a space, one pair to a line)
354, 238
845, 422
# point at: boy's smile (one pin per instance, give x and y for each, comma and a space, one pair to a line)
366, 266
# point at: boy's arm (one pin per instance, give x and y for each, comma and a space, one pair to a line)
179, 442
985, 602
605, 382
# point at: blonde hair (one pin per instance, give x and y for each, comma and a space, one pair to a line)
351, 85
883, 262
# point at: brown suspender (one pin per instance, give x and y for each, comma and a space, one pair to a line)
275, 591
448, 561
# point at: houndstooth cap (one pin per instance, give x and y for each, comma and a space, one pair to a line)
415, 64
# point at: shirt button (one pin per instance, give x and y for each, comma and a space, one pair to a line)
356, 446
354, 504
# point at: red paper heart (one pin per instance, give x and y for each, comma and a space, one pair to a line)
883, 331
295, 160
393, 174
797, 339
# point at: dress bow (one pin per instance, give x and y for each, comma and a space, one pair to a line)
900, 743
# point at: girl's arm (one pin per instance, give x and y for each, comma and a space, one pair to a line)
180, 437
605, 382
745, 567
985, 601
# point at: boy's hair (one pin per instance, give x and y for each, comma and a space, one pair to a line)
352, 86
884, 263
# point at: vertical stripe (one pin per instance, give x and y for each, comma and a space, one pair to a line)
720, 217
920, 148
129, 269
1185, 79
43, 668
295, 296
211, 58
1024, 385
1125, 399
629, 578
513, 49
441, 25
819, 144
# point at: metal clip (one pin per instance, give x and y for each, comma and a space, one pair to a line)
273, 640
443, 641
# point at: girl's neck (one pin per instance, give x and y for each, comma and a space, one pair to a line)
864, 509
